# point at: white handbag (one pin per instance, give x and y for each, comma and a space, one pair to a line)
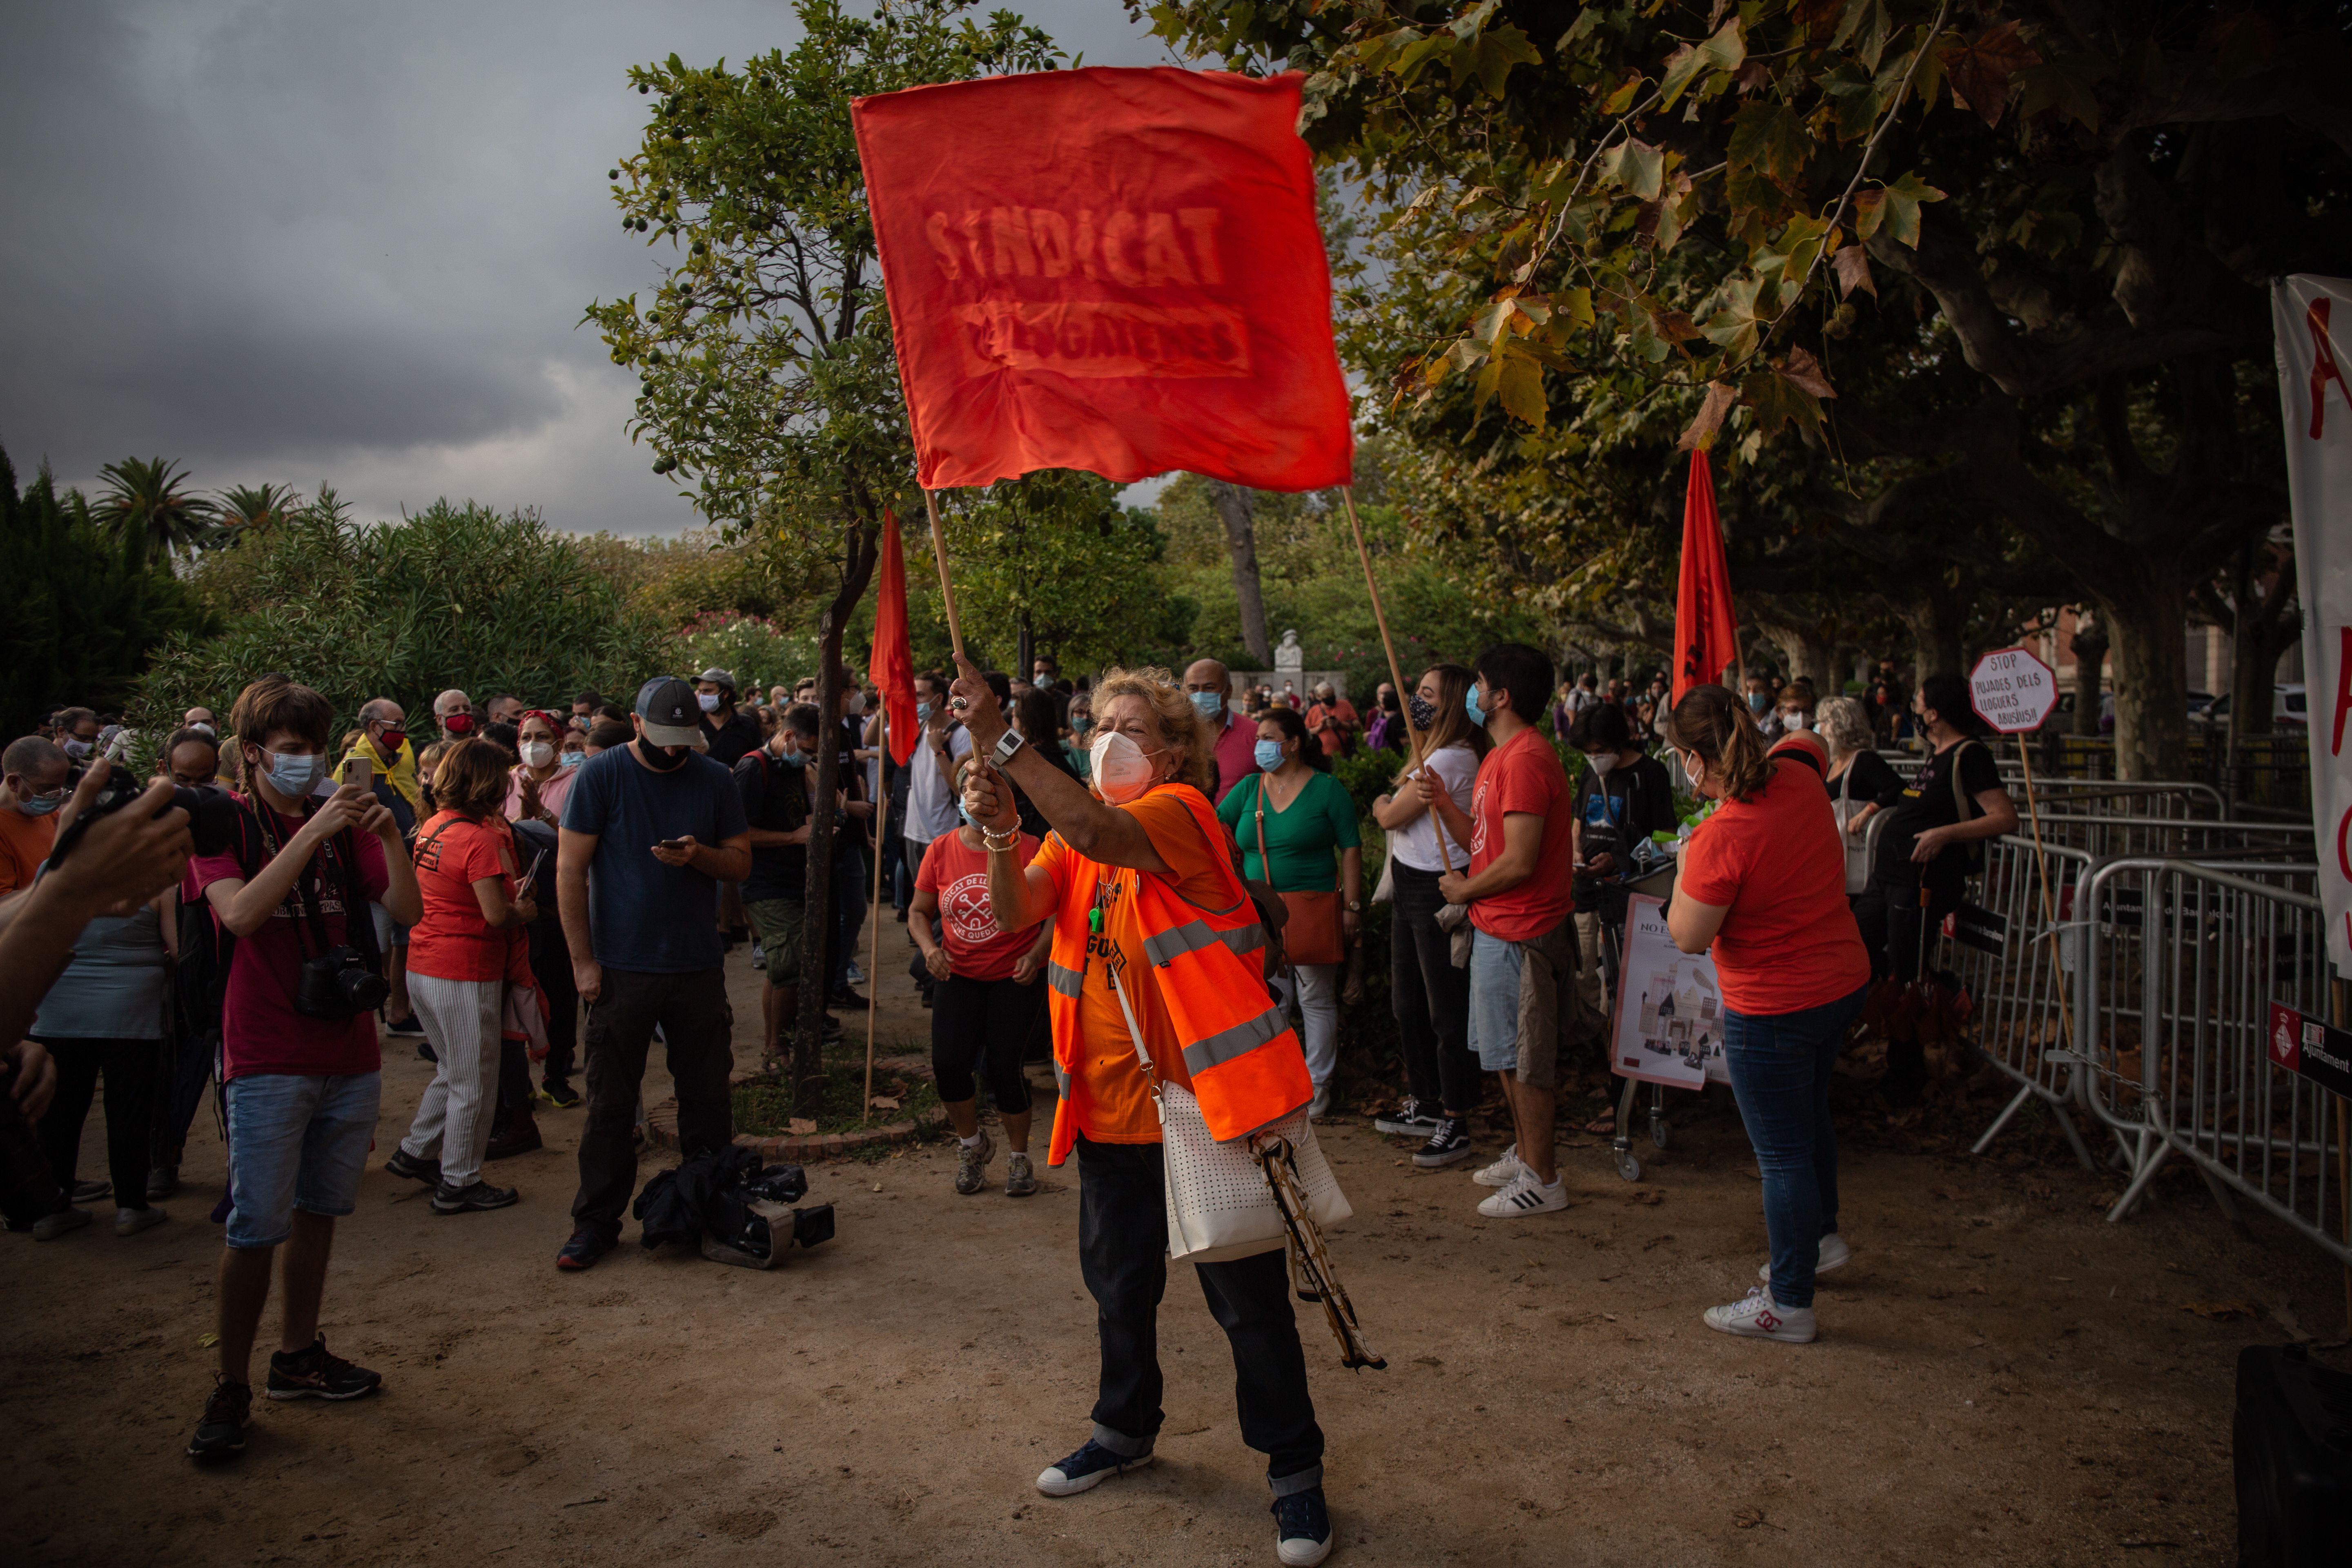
1857, 850
1220, 1204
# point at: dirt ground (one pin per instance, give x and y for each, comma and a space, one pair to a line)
2002, 1376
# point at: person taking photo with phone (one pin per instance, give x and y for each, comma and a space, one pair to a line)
301, 1072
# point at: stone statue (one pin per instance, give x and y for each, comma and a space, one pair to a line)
1290, 656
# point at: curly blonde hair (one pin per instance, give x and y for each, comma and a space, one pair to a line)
1181, 727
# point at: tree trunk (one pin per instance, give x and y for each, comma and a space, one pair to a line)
1935, 623
2089, 646
1025, 656
1233, 510
2149, 629
807, 1069
1809, 656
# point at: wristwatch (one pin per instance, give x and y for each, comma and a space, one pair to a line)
1355, 906
1009, 743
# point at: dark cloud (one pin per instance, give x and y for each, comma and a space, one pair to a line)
309, 241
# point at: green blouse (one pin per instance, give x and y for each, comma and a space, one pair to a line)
1300, 836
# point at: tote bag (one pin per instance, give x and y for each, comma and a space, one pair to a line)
1311, 934
1857, 850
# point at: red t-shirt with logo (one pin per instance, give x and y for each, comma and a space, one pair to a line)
1523, 775
1776, 863
959, 876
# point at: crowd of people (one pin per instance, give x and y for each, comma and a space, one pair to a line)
478, 883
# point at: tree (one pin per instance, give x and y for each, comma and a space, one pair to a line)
1233, 505
240, 507
86, 612
2064, 216
148, 502
766, 375
458, 595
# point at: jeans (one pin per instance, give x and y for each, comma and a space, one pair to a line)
1123, 1253
296, 1141
850, 891
462, 1020
1779, 1065
130, 1065
1430, 997
1318, 995
699, 1027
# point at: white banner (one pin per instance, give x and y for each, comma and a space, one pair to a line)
2316, 406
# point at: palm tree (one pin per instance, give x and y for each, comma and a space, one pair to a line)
251, 506
150, 503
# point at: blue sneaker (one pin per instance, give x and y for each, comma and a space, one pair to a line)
1089, 1467
1302, 1528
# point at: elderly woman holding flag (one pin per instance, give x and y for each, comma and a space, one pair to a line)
1141, 885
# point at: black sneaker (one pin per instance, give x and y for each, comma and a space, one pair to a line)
587, 1244
425, 1052
411, 1025
1089, 1466
1449, 1142
1302, 1528
560, 1094
409, 1168
1411, 1119
845, 997
472, 1199
318, 1374
220, 1432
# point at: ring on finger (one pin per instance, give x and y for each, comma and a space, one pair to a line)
958, 704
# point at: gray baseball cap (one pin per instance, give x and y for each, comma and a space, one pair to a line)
672, 716
724, 678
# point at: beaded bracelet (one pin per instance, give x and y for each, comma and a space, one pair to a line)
1011, 839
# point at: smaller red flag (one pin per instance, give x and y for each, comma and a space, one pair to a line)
1704, 640
894, 656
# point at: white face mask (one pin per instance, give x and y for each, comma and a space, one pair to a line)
707, 700
538, 753
1122, 769
1795, 720
1601, 763
857, 702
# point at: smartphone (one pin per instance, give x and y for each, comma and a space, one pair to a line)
672, 844
531, 876
360, 772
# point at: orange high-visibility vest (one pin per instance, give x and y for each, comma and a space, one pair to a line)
1202, 970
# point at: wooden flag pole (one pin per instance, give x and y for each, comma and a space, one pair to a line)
946, 589
874, 915
1396, 675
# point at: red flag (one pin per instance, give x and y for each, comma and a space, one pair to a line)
1107, 269
1702, 628
893, 657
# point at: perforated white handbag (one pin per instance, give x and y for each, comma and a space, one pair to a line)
1219, 1205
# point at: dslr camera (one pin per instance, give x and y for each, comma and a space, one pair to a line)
212, 813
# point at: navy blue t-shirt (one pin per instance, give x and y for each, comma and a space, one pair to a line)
644, 915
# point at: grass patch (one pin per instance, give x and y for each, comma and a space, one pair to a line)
765, 1110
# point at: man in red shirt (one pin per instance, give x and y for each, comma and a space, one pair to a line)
1209, 685
1521, 829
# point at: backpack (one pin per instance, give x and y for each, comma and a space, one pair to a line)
1965, 810
200, 980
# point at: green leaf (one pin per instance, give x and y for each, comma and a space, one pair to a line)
1413, 57
2065, 84
1521, 385
1854, 94
1723, 52
1574, 306
1768, 139
1638, 166
1777, 400
1735, 327
1903, 200
1621, 100
1497, 52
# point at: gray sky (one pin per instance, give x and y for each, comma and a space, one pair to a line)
307, 240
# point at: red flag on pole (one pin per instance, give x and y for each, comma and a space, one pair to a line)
1110, 270
893, 657
1703, 626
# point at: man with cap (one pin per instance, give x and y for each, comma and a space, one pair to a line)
650, 830
732, 733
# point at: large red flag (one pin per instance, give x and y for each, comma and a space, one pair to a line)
893, 657
1703, 635
1109, 269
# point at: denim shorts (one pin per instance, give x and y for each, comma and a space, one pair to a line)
1518, 990
295, 1142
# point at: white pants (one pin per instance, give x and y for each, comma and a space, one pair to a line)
1317, 998
462, 1019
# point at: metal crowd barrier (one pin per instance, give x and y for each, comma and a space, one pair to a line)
2174, 1033
2109, 835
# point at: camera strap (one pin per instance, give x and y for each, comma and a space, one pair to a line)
358, 933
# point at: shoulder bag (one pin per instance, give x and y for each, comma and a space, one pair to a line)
1220, 1204
1311, 934
1965, 810
1857, 850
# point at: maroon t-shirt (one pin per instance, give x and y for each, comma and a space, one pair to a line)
260, 1030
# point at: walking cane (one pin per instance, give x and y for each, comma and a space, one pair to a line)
873, 949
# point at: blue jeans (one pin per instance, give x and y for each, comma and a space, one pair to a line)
296, 1141
1779, 1065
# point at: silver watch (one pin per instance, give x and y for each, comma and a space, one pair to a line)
1008, 744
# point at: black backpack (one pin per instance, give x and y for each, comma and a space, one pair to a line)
200, 982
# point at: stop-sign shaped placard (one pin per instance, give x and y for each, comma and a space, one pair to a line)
2013, 690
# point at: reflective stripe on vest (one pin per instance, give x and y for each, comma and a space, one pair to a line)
1168, 946
1239, 1040
1067, 981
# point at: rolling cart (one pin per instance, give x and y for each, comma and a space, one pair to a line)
1656, 884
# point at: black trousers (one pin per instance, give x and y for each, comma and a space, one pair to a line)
1900, 933
1123, 1253
187, 1065
1430, 997
979, 1028
551, 966
699, 1028
128, 1067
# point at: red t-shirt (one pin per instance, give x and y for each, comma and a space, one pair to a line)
452, 942
1523, 775
260, 1030
1778, 862
959, 876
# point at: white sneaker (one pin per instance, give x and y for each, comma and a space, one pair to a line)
1756, 1316
1835, 1254
1525, 1195
1503, 1172
1319, 1107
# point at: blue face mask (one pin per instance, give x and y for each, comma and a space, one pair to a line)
292, 776
39, 805
571, 759
922, 712
791, 758
1208, 704
1470, 705
1268, 754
